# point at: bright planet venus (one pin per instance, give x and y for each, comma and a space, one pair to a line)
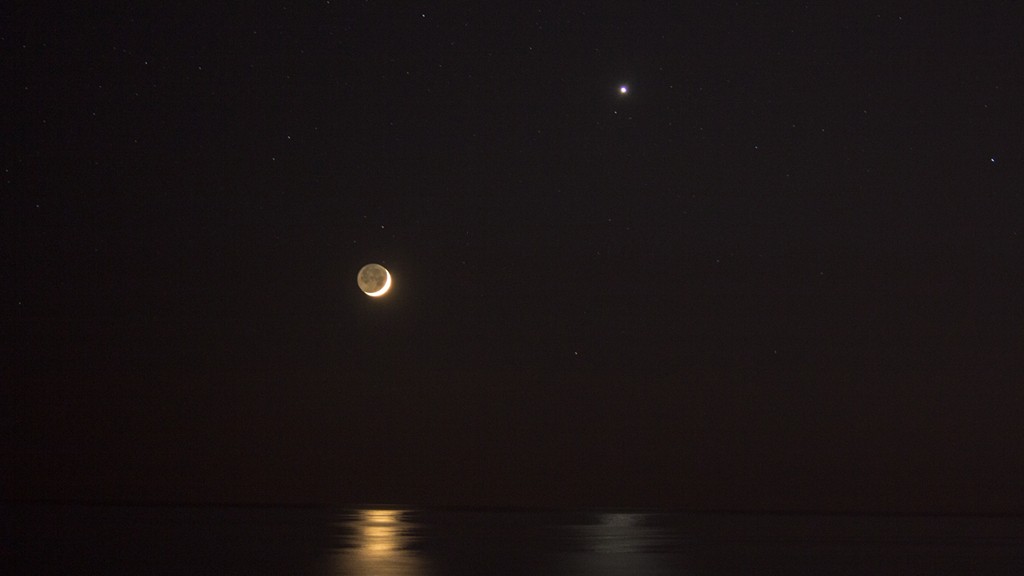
374, 280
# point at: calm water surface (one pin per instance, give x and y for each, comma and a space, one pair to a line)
45, 539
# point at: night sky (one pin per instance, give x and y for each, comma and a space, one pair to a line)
782, 271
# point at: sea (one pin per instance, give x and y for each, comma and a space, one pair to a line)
386, 541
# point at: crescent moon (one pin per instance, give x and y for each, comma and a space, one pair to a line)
385, 288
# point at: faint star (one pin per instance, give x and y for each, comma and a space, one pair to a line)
623, 89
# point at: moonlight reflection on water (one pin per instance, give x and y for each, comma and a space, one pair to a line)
377, 542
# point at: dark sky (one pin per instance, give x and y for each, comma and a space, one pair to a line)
782, 272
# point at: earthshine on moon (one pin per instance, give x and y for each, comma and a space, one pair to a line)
374, 280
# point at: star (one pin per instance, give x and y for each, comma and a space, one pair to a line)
623, 89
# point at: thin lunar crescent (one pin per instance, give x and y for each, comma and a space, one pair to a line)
374, 280
384, 290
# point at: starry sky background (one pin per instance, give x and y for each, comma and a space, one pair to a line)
783, 272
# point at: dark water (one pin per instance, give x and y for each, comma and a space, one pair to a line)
47, 539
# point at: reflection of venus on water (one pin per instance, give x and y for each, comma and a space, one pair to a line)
376, 542
618, 533
620, 543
